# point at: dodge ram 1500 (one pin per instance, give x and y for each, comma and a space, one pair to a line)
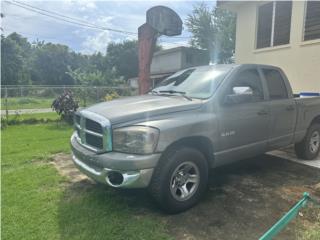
196, 119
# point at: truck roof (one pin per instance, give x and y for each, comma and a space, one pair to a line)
229, 66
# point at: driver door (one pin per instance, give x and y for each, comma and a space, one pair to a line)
243, 117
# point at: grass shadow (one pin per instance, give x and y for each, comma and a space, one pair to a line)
93, 211
243, 200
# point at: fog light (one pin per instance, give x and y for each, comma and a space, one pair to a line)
115, 178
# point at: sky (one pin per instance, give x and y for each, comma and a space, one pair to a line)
121, 15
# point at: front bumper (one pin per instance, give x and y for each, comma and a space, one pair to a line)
136, 170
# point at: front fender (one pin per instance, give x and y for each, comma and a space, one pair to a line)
177, 126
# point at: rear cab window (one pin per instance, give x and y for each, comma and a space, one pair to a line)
275, 84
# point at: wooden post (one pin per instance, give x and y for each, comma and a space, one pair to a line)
6, 103
147, 37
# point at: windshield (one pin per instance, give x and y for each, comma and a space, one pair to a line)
195, 82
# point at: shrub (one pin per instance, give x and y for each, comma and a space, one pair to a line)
111, 96
65, 106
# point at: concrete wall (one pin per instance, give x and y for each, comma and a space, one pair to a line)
300, 60
167, 61
175, 59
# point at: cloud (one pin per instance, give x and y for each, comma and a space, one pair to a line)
96, 43
121, 15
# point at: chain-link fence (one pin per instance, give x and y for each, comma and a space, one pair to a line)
41, 97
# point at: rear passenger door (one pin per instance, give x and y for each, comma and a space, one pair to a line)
282, 107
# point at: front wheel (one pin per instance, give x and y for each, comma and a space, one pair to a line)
180, 179
309, 147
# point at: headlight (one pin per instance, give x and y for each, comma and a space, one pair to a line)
135, 139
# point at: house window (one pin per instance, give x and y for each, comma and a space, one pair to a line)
312, 21
274, 21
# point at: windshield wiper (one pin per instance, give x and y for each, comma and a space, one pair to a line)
183, 94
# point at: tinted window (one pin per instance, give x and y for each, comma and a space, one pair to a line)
250, 78
277, 88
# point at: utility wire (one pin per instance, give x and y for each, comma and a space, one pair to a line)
76, 21
60, 18
85, 22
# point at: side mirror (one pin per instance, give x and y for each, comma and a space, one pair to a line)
240, 94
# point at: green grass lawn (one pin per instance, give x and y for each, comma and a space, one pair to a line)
15, 103
37, 116
38, 203
26, 103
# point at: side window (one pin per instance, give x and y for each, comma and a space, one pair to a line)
276, 86
248, 83
312, 21
274, 24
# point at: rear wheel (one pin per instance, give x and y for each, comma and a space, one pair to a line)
180, 179
309, 147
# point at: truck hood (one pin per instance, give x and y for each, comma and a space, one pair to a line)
142, 107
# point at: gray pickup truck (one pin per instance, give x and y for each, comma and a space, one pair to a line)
196, 119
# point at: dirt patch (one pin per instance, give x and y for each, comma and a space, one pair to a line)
242, 202
63, 163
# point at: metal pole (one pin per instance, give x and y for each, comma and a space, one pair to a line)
276, 228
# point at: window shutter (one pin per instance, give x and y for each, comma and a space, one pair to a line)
312, 21
282, 23
264, 25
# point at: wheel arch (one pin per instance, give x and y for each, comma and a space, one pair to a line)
202, 144
315, 120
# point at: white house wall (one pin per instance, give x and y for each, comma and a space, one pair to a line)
300, 60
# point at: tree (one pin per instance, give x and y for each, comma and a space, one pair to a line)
124, 58
50, 64
47, 63
213, 30
14, 69
94, 77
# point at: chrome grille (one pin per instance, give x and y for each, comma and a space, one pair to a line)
93, 126
94, 141
93, 131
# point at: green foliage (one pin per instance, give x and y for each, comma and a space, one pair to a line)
95, 77
213, 30
50, 64
31, 118
56, 64
14, 68
26, 103
124, 57
111, 96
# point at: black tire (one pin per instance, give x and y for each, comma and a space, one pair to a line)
160, 186
303, 149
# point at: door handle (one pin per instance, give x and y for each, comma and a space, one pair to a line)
262, 112
290, 108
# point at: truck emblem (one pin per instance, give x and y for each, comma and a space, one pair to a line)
227, 134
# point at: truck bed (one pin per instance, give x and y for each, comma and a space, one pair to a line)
308, 108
